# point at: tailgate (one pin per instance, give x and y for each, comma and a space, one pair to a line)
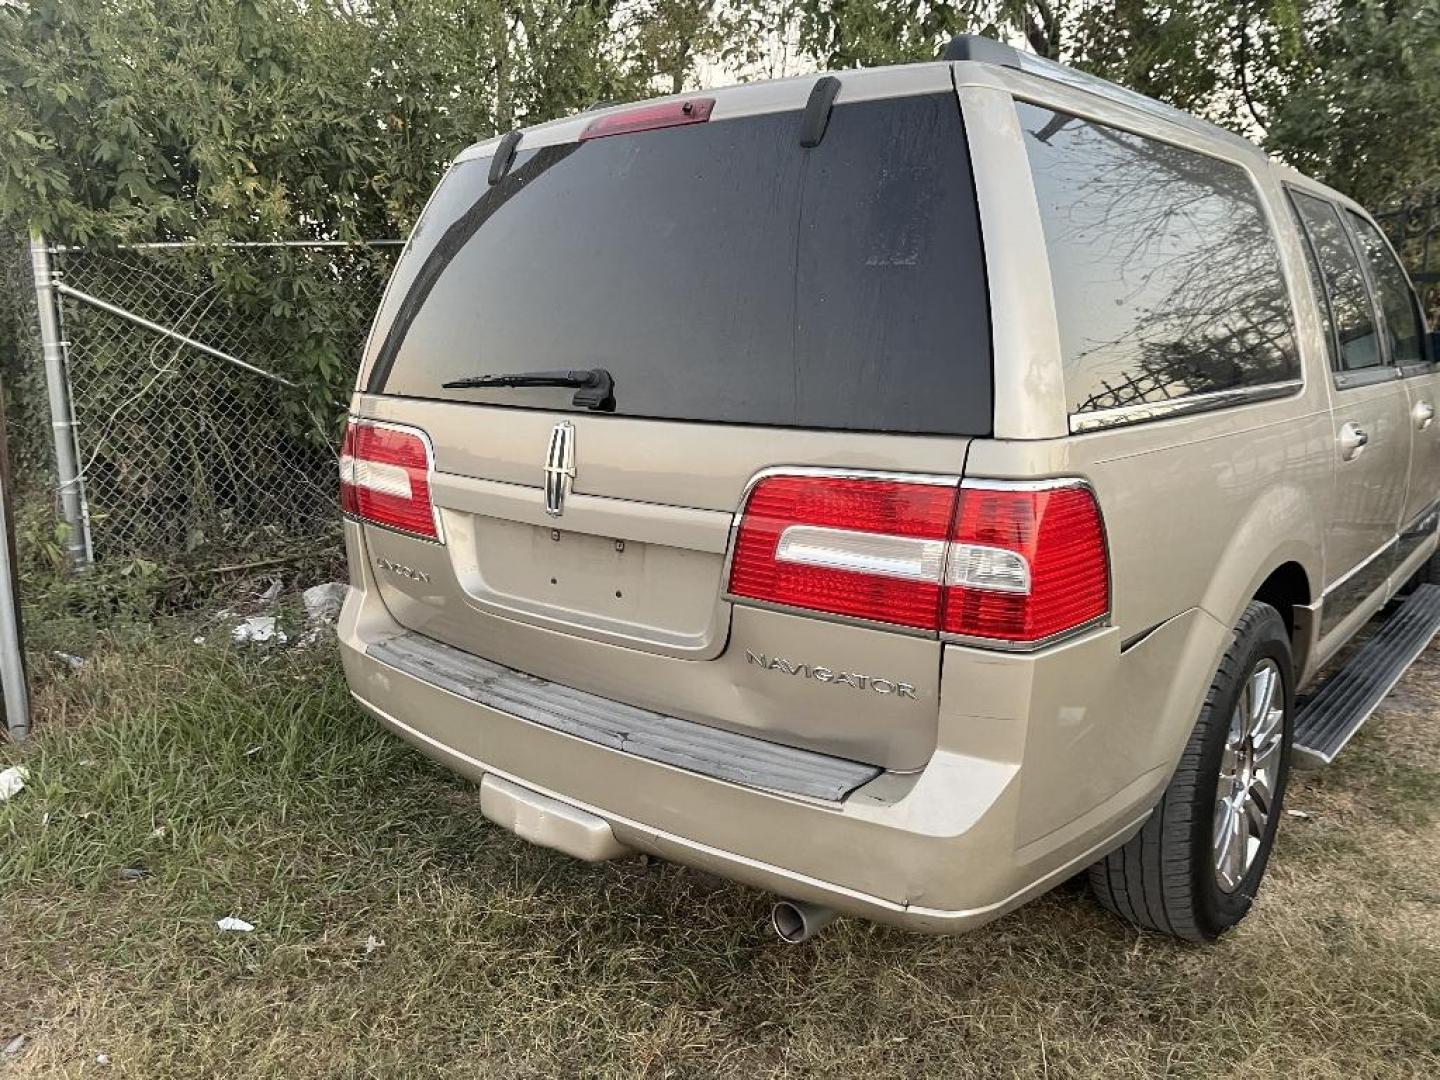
757, 305
624, 596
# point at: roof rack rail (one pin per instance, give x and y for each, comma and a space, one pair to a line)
984, 50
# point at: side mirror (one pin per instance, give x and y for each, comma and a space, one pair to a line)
1432, 346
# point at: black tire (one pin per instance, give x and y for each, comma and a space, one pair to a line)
1164, 877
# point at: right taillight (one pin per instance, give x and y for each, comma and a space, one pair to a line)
1009, 563
1056, 534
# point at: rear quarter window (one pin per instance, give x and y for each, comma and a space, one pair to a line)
1166, 275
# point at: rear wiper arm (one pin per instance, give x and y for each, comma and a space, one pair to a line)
595, 388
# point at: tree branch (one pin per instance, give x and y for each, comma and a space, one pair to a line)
1240, 54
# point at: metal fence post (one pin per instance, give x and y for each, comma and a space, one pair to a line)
13, 684
62, 413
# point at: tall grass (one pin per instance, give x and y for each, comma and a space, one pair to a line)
248, 785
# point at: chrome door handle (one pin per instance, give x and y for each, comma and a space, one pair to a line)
1353, 439
1423, 414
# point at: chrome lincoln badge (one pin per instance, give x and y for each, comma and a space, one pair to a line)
559, 467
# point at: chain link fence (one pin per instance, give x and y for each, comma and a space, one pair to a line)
206, 387
207, 382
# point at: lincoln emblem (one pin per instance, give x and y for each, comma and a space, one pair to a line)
559, 467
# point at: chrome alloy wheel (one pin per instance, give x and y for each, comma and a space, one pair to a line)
1249, 771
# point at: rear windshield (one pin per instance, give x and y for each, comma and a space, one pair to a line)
718, 271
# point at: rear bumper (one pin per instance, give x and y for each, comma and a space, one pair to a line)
1037, 773
780, 880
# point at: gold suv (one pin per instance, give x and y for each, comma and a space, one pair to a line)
898, 490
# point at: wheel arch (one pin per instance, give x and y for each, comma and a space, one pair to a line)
1289, 590
1285, 571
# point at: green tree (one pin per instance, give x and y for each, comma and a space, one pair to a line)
1354, 100
215, 120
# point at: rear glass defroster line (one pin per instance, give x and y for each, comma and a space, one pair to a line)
816, 117
450, 245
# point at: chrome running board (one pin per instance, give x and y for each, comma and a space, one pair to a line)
1329, 719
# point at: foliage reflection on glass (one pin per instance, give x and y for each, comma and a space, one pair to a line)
1167, 279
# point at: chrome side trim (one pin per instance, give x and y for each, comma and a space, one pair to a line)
1358, 567
1349, 380
1413, 534
1184, 406
1418, 524
1353, 588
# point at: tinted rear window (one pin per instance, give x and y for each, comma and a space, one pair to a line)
719, 271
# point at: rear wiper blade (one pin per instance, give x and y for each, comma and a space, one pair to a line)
595, 387
524, 378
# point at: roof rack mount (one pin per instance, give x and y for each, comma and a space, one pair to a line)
984, 50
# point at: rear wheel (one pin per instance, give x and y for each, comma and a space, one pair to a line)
1194, 868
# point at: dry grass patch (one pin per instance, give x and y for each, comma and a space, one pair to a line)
249, 786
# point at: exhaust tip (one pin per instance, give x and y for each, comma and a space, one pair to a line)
796, 921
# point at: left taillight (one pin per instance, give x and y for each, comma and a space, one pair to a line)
385, 477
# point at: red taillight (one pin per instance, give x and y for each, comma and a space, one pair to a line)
1059, 534
650, 117
871, 549
1011, 564
385, 477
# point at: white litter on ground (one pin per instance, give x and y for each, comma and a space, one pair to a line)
258, 630
323, 602
1302, 814
12, 781
232, 923
15, 1045
372, 943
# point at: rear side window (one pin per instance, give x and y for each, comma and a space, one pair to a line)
719, 271
1403, 330
1350, 310
1167, 279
